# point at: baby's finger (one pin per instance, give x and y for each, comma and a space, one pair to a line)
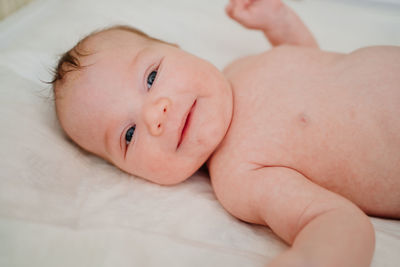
237, 9
247, 3
229, 8
232, 5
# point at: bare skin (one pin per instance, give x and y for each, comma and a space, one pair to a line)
312, 134
304, 141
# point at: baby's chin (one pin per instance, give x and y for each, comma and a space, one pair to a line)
170, 171
170, 178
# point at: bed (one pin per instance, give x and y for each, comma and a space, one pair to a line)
60, 206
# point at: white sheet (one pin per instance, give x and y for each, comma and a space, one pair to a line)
62, 207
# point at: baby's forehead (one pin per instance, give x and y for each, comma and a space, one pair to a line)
111, 57
113, 39
114, 45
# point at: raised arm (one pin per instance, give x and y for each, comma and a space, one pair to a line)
277, 21
323, 228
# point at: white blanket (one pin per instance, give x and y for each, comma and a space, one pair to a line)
60, 206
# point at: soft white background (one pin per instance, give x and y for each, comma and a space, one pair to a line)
60, 206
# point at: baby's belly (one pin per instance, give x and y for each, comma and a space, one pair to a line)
355, 158
354, 144
351, 146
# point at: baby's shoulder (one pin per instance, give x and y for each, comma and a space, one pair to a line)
278, 59
236, 66
270, 55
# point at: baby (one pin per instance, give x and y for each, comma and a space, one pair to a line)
304, 141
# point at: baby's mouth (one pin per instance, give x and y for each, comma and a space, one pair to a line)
186, 124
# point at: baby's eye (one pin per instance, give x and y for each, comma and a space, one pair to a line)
151, 78
129, 134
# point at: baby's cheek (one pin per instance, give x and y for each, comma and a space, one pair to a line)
154, 165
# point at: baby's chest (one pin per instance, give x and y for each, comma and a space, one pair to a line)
273, 127
310, 124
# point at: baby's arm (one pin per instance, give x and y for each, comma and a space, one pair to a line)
278, 22
323, 228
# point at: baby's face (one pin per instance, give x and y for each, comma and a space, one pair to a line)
150, 108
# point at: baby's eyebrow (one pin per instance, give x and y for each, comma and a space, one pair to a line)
108, 140
139, 55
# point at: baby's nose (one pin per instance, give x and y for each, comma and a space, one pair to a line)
155, 115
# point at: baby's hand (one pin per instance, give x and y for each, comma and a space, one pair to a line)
256, 14
278, 22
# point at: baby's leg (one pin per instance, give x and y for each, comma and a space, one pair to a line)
278, 22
